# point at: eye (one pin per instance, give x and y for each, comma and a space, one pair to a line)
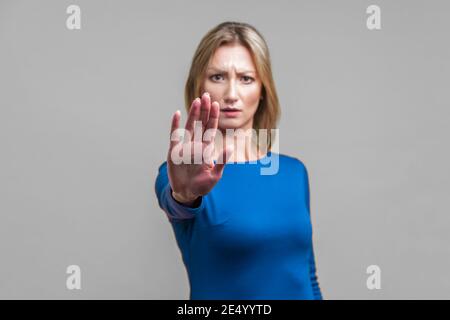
216, 77
248, 79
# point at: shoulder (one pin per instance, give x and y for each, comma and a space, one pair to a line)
292, 162
162, 174
162, 167
293, 167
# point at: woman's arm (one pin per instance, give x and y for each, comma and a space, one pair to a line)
313, 276
175, 211
312, 264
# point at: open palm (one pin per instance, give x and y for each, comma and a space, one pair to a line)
193, 179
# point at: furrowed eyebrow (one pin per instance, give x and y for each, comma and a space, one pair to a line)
224, 71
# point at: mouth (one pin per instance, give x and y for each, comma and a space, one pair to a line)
230, 109
230, 112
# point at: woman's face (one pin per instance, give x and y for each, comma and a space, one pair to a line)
231, 80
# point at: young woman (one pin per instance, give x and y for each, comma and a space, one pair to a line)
242, 234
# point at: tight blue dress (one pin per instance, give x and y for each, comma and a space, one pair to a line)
251, 235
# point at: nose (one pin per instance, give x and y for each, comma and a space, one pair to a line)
231, 94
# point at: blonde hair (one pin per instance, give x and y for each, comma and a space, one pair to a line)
268, 112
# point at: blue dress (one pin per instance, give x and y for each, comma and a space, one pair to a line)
251, 235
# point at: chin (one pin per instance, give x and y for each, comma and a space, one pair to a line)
229, 124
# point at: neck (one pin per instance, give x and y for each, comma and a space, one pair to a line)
243, 148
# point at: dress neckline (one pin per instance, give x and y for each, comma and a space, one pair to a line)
251, 161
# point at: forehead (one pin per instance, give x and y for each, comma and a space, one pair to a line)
232, 56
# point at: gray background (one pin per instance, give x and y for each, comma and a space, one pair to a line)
84, 124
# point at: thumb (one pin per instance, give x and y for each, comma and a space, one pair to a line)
226, 154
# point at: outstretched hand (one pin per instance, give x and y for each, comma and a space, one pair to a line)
190, 179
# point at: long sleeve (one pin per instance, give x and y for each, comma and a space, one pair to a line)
313, 276
312, 264
174, 210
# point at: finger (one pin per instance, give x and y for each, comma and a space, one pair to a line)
174, 134
213, 120
205, 109
194, 113
226, 154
